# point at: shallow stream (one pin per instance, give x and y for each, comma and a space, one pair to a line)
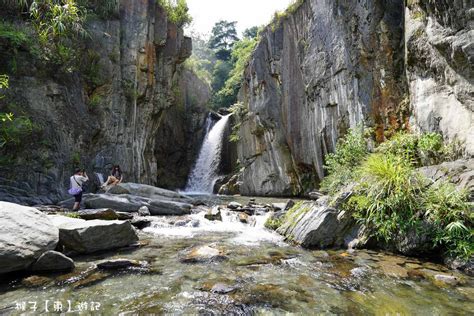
195, 266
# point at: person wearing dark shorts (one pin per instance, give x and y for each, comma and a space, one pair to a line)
77, 180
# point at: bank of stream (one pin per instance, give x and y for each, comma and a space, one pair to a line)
190, 265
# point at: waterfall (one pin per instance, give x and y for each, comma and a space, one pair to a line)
100, 177
204, 173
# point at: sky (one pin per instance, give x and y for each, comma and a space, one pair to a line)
247, 13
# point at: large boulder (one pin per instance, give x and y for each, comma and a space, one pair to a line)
25, 234
101, 213
164, 207
79, 236
122, 203
147, 191
53, 261
315, 225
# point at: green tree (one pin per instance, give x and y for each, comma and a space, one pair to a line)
223, 37
251, 32
227, 95
220, 74
177, 11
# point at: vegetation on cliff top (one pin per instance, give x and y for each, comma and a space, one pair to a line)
177, 11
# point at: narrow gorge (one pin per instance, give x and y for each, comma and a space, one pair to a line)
319, 164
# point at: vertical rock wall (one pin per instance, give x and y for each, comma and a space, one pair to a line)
326, 67
439, 45
131, 107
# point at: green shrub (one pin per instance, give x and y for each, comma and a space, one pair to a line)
12, 35
340, 165
419, 149
392, 199
447, 209
14, 128
386, 199
3, 84
177, 11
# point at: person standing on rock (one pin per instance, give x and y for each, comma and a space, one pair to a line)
77, 180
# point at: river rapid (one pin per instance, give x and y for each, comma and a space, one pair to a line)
191, 265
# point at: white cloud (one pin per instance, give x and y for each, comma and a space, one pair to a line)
247, 13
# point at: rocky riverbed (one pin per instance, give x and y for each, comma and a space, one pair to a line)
216, 257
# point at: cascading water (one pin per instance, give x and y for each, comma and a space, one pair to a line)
205, 171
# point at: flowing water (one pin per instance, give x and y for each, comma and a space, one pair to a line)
205, 170
196, 266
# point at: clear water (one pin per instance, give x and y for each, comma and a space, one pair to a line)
205, 170
264, 275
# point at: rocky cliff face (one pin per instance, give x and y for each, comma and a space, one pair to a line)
329, 66
332, 65
439, 44
132, 107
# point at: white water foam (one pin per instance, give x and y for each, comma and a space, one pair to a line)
247, 234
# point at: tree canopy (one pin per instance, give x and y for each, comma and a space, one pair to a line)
223, 37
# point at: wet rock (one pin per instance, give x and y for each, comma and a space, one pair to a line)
221, 288
279, 206
360, 272
116, 264
244, 218
91, 279
53, 261
144, 211
81, 236
36, 281
214, 214
25, 234
140, 222
163, 207
103, 213
318, 226
466, 266
203, 254
315, 195
234, 205
124, 215
393, 270
444, 279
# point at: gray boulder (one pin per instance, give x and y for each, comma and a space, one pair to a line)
79, 236
214, 214
234, 205
121, 263
122, 203
147, 191
102, 213
144, 211
53, 261
314, 225
25, 234
163, 207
